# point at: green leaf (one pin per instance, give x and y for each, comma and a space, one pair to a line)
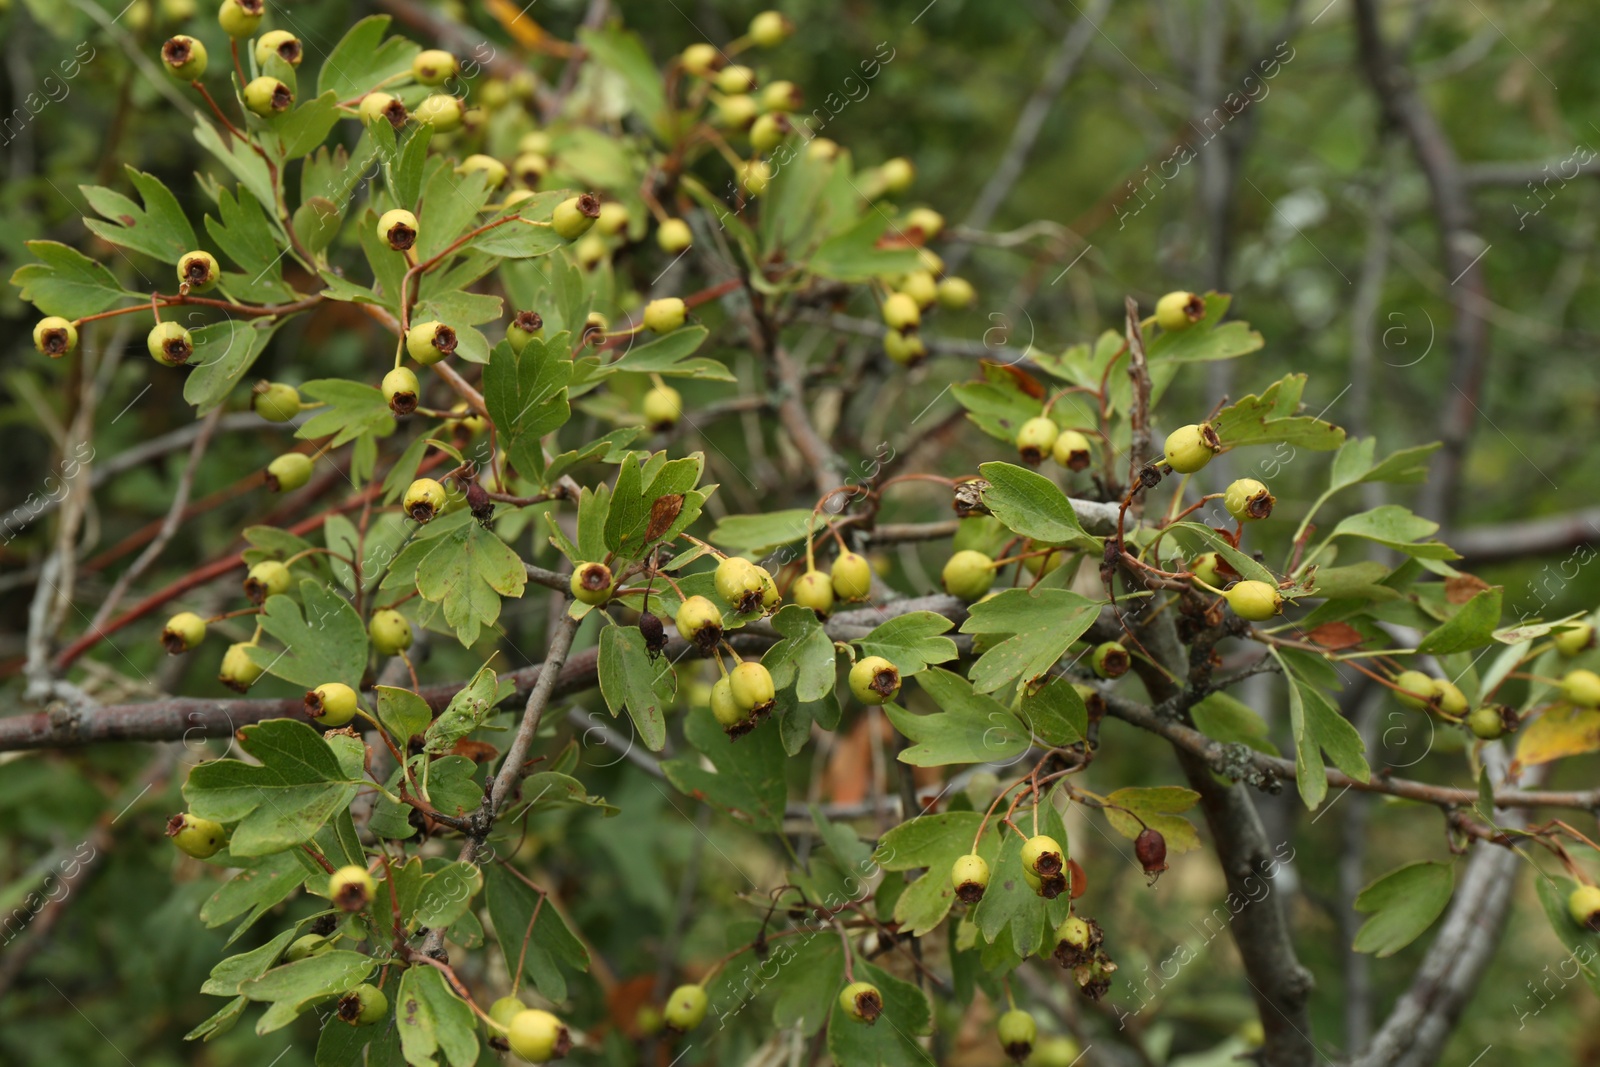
450, 204
1231, 721
631, 679
1207, 340
526, 394
807, 983
1247, 566
431, 1019
854, 255
1317, 725
1269, 419
623, 53
1043, 624
157, 229
933, 842
308, 125
973, 729
1403, 904
669, 356
633, 500
756, 535
1161, 808
1055, 713
1030, 504
294, 987
1396, 527
891, 1041
997, 408
1009, 902
548, 789
748, 781
911, 641
243, 233
362, 59
1584, 945
66, 282
403, 713
279, 803
467, 711
261, 886
240, 158
804, 659
223, 353
1472, 626
447, 894
227, 974
551, 946
326, 644
466, 573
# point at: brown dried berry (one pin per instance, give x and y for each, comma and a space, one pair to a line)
1151, 848
655, 635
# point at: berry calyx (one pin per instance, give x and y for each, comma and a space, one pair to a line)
686, 1008
264, 579
665, 315
525, 326
663, 407
1036, 438
239, 18
389, 631
1584, 906
538, 1037
424, 499
197, 272
1254, 601
700, 621
1017, 1031
673, 236
968, 574
351, 888
768, 29
434, 66
332, 703
441, 111
391, 109
1577, 638
275, 401
363, 1006
906, 349
429, 342
400, 389
1179, 311
288, 472
1487, 722
1247, 500
267, 96
1151, 849
54, 336
169, 344
900, 312
813, 590
734, 719
197, 837
1043, 855
852, 576
238, 671
1415, 690
1190, 448
1110, 660
752, 687
1071, 450
398, 229
591, 583
956, 294
185, 58
1581, 687
183, 633
280, 43
874, 680
737, 582
492, 169
862, 1002
969, 875
574, 215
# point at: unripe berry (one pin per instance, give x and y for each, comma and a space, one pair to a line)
424, 499
1151, 849
591, 583
442, 111
663, 407
197, 272
434, 66
303, 948
874, 680
1449, 699
1581, 687
1207, 568
906, 349
700, 621
700, 59
389, 631
398, 229
738, 583
530, 169
280, 43
183, 633
1576, 639
525, 326
574, 215
1110, 660
1055, 1051
1190, 448
770, 597
736, 79
956, 294
921, 286
197, 837
664, 315
769, 130
726, 709
968, 574
288, 472
673, 236
400, 388
465, 418
169, 344
1039, 566
1584, 906
1248, 500
852, 576
1017, 1031
970, 877
537, 142
926, 221
648, 1020
505, 1009
931, 261
897, 175
862, 1002
686, 1008
264, 579
491, 168
1043, 855
275, 401
239, 18
737, 111
351, 888
754, 176
538, 1037
391, 109
1254, 601
429, 342
594, 328
782, 96
768, 29
901, 313
823, 149
1071, 450
331, 703
613, 218
267, 96
752, 687
1415, 690
238, 671
363, 1006
1179, 311
813, 590
185, 58
1486, 722
1036, 438
54, 336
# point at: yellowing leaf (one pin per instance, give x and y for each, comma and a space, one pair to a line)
1558, 733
